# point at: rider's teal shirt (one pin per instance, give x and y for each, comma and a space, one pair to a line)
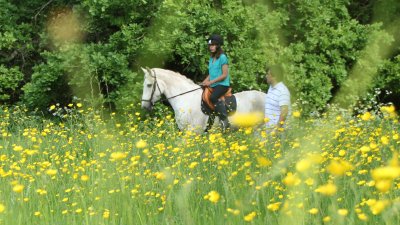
215, 70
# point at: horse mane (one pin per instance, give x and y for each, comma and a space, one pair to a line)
175, 75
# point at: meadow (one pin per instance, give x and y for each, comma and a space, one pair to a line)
84, 166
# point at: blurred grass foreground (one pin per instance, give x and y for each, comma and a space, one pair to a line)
124, 169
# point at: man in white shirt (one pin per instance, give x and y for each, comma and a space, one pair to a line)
277, 101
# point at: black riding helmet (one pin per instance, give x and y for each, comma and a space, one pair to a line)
215, 39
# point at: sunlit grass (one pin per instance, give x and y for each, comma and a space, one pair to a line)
85, 169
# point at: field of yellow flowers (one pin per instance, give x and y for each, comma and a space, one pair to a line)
86, 167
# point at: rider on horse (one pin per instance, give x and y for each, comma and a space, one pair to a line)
218, 78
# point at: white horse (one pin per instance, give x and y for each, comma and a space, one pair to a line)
185, 98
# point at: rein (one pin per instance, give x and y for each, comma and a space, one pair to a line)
185, 93
158, 87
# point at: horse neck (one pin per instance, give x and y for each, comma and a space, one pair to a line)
175, 84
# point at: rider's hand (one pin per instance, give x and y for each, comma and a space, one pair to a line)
206, 83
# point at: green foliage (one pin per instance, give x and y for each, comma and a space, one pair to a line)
16, 44
10, 80
48, 85
318, 42
91, 72
106, 17
388, 79
325, 44
249, 41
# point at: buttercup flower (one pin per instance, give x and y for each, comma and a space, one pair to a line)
212, 196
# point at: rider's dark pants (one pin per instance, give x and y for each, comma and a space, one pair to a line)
218, 91
220, 108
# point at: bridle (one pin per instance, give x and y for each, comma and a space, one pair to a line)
154, 88
158, 87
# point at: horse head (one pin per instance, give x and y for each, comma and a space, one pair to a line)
152, 89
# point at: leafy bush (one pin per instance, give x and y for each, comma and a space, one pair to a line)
48, 85
325, 44
388, 80
10, 81
318, 42
178, 41
91, 72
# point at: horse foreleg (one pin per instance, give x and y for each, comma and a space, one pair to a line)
210, 122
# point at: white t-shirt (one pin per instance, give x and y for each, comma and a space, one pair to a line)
277, 96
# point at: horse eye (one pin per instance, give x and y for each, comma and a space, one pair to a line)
149, 85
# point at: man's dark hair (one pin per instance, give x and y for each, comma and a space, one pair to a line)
276, 71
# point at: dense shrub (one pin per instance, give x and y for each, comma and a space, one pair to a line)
10, 81
318, 42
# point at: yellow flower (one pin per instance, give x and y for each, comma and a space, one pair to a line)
79, 105
342, 152
274, 206
118, 156
84, 178
343, 212
212, 196
309, 181
387, 172
37, 213
366, 116
249, 217
193, 165
296, 114
247, 119
141, 144
78, 210
362, 217
303, 165
383, 185
51, 172
233, 211
291, 180
2, 208
18, 148
313, 211
159, 175
394, 162
18, 188
385, 140
339, 167
365, 149
41, 191
263, 162
388, 109
378, 206
106, 214
52, 107
247, 164
326, 219
327, 189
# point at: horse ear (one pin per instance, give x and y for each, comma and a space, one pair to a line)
149, 72
144, 70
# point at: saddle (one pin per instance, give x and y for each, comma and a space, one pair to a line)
207, 107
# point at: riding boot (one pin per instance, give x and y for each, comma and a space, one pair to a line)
220, 109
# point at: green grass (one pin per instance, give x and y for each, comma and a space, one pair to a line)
166, 181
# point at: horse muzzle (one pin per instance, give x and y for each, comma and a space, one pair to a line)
147, 105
